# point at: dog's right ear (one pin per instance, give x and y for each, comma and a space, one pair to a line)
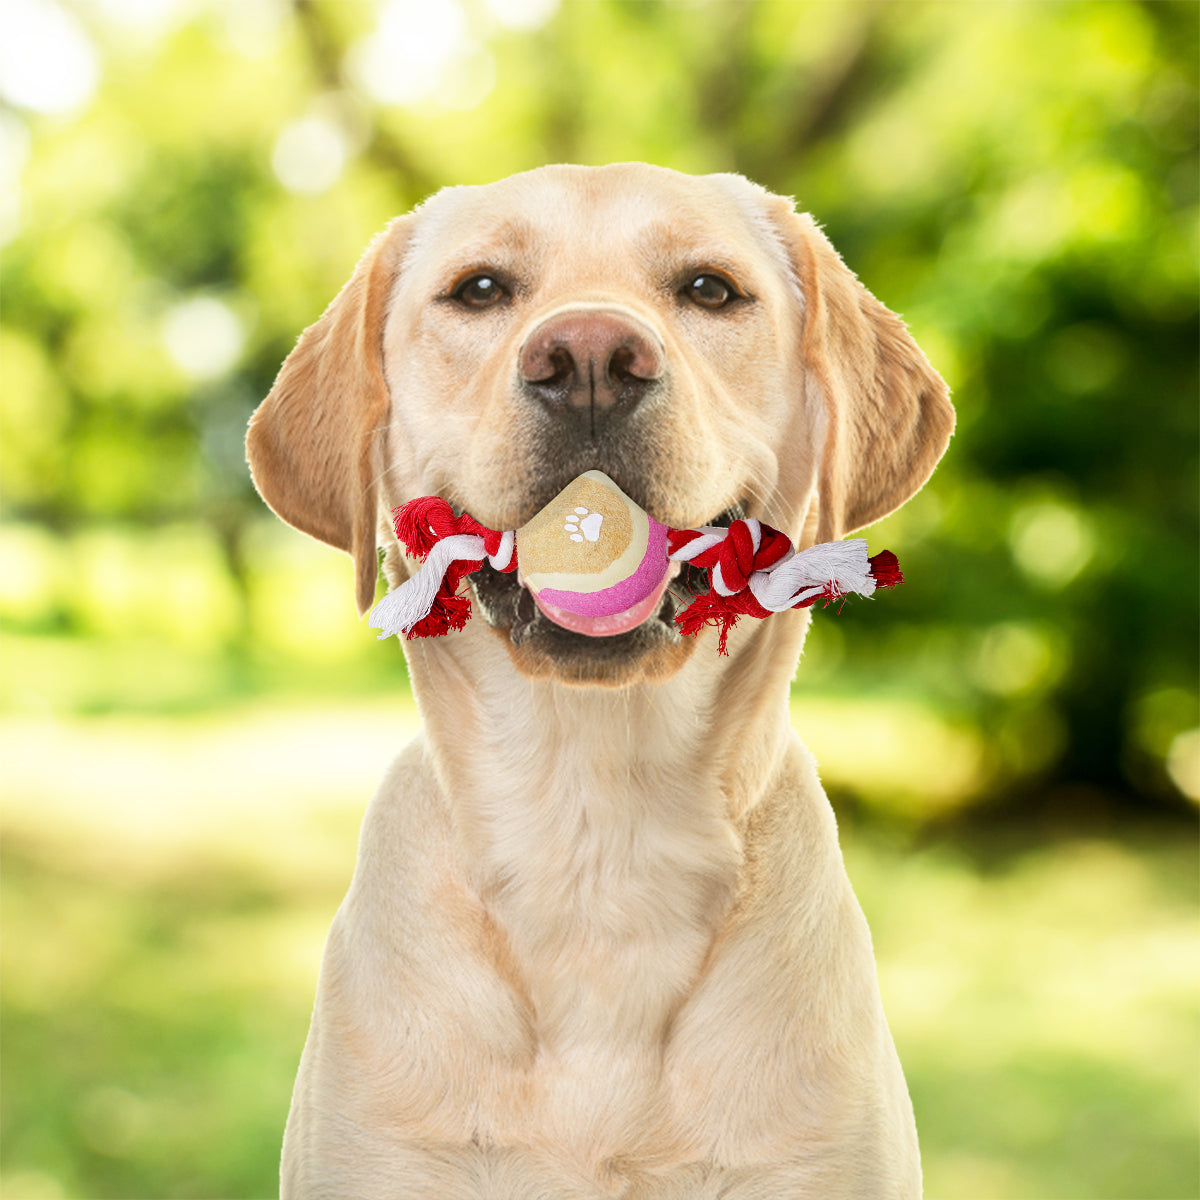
313, 443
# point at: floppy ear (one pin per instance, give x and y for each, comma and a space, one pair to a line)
887, 413
312, 445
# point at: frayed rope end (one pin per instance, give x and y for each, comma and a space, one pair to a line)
885, 569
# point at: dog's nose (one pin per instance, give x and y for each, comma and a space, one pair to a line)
593, 360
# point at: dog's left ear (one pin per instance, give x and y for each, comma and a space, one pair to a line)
312, 445
887, 413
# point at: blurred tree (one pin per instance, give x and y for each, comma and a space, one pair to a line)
1018, 179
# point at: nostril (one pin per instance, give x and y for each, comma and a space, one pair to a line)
560, 364
634, 362
547, 361
621, 365
554, 377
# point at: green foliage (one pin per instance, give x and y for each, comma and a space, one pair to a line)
139, 1069
1037, 1006
1018, 179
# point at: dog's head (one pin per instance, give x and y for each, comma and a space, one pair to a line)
694, 338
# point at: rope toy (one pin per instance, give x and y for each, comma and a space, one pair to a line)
598, 564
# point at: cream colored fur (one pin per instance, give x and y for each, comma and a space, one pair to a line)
600, 941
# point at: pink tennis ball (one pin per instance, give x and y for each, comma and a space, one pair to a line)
594, 560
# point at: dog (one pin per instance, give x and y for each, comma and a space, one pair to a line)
600, 941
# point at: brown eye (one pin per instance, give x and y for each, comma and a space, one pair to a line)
480, 291
709, 291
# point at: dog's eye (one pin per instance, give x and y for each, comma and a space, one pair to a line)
480, 291
709, 291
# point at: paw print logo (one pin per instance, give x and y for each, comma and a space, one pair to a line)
582, 524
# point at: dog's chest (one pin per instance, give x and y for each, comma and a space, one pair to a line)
606, 863
609, 933
609, 897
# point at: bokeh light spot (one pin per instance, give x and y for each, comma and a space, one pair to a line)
309, 155
1015, 659
112, 1120
147, 16
1157, 716
1183, 763
403, 61
522, 14
203, 336
468, 80
255, 28
47, 62
1051, 542
30, 572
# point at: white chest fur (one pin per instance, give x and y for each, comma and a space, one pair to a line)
604, 853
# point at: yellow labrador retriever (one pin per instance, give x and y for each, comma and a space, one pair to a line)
600, 941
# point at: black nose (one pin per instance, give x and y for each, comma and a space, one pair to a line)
591, 362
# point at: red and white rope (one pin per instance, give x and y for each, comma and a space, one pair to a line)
831, 569
428, 603
754, 570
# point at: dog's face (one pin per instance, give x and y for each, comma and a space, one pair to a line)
693, 338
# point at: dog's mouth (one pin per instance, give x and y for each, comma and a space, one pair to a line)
509, 607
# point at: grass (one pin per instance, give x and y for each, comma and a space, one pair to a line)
1045, 1007
167, 885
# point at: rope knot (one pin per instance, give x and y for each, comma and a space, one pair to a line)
748, 547
452, 547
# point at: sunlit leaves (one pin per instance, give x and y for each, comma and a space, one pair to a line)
1017, 179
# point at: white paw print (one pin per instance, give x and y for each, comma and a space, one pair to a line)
584, 524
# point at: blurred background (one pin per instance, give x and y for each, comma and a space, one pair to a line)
193, 719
